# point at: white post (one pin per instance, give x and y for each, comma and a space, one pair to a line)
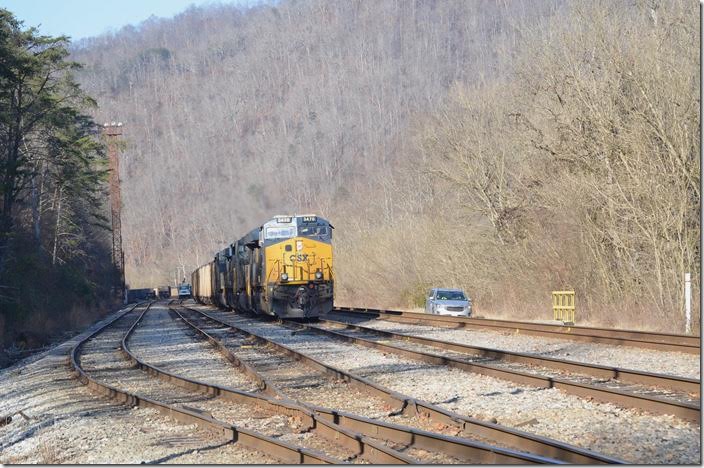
688, 302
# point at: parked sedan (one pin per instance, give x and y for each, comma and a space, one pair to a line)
453, 302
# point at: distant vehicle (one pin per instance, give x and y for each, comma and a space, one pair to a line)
151, 294
136, 295
184, 291
443, 301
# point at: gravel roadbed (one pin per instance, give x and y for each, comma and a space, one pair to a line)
70, 424
623, 433
307, 385
184, 344
627, 357
611, 384
102, 360
161, 341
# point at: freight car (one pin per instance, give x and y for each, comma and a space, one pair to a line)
283, 268
135, 295
164, 292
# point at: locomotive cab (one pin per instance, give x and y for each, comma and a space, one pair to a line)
297, 266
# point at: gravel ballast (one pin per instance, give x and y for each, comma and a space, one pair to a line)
311, 386
605, 428
102, 362
627, 357
70, 424
370, 334
165, 342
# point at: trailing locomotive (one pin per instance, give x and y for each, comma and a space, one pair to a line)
282, 268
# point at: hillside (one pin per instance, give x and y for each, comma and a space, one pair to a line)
509, 148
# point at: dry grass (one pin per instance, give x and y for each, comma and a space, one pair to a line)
556, 178
48, 454
45, 454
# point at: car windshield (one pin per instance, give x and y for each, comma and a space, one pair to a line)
451, 296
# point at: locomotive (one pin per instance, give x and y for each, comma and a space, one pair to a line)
282, 268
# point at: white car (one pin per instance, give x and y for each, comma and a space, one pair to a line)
184, 291
444, 301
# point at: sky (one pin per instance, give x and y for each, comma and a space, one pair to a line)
86, 18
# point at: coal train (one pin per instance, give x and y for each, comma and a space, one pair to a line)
282, 268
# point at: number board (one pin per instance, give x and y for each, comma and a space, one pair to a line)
309, 219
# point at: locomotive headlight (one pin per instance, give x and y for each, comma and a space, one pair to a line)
284, 277
318, 274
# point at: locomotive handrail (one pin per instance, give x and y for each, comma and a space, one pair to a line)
278, 270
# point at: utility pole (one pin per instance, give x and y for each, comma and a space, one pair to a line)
112, 132
687, 303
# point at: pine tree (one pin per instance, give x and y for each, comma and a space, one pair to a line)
46, 142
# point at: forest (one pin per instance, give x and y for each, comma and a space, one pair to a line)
56, 274
510, 148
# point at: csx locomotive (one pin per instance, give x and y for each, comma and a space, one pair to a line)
282, 268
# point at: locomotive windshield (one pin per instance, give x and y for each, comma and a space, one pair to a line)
280, 232
288, 227
315, 230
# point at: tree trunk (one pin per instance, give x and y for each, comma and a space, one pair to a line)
10, 180
37, 192
58, 226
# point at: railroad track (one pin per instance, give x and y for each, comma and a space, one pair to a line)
468, 427
430, 447
682, 388
359, 447
586, 388
278, 449
658, 341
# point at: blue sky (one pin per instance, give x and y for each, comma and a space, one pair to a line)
85, 18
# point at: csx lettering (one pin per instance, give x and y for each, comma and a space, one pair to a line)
299, 258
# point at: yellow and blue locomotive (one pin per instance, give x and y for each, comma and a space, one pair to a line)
283, 268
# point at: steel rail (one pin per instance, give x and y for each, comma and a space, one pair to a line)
363, 447
531, 443
455, 446
651, 340
370, 450
263, 385
642, 402
283, 451
671, 382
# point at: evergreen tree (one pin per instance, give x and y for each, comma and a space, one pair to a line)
55, 268
46, 142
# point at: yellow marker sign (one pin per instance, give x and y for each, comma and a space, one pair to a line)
563, 306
